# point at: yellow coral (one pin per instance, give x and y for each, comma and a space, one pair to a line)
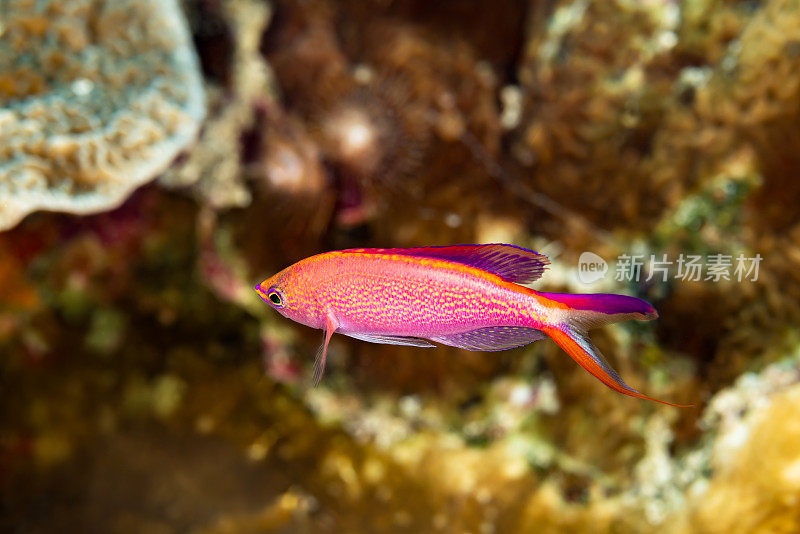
759, 490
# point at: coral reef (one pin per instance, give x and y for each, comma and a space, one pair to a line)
757, 93
755, 463
216, 170
145, 386
96, 98
596, 94
746, 110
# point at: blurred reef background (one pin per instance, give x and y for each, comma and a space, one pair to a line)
158, 158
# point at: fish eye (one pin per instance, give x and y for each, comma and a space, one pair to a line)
275, 298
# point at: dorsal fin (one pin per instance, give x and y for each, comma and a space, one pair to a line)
509, 262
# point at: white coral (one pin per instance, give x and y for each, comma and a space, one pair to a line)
96, 98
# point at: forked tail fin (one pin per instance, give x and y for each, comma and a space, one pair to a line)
584, 312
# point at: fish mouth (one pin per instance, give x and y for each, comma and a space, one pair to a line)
261, 291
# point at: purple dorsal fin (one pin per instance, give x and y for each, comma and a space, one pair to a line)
509, 262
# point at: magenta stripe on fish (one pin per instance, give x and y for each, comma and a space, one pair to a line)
605, 303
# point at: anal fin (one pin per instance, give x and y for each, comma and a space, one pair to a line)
492, 338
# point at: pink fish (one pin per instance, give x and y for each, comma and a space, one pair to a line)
466, 296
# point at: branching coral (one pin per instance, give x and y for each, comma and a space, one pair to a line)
591, 109
751, 101
764, 314
610, 126
754, 91
96, 98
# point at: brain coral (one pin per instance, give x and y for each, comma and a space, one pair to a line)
96, 98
